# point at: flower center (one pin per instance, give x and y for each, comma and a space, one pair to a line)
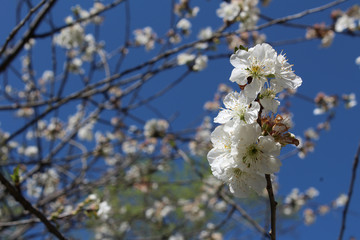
237, 172
252, 151
241, 110
251, 155
268, 94
255, 71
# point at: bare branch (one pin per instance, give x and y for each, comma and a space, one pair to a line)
273, 204
350, 192
33, 26
19, 26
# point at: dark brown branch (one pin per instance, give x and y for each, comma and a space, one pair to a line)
28, 34
273, 204
27, 205
20, 25
350, 192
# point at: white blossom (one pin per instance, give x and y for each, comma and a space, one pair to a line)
350, 100
268, 99
92, 197
241, 183
90, 48
284, 75
249, 14
31, 151
85, 132
30, 44
327, 40
145, 37
74, 66
345, 22
130, 147
124, 227
200, 63
220, 157
340, 201
42, 182
312, 192
32, 188
309, 216
70, 37
176, 236
104, 210
311, 134
228, 11
357, 60
48, 76
252, 68
193, 13
25, 112
185, 58
184, 25
238, 108
155, 128
255, 153
204, 34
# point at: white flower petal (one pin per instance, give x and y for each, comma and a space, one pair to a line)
239, 76
223, 116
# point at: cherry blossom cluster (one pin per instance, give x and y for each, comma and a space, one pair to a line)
81, 46
348, 20
296, 200
247, 144
244, 11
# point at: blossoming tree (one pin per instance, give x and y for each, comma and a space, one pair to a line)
94, 142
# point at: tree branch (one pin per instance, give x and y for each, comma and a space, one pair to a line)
33, 26
20, 25
273, 204
350, 192
27, 205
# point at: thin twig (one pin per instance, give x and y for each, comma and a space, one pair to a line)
350, 192
300, 14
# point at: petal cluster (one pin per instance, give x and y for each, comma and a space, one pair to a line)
247, 144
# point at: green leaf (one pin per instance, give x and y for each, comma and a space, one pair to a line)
235, 49
243, 48
16, 176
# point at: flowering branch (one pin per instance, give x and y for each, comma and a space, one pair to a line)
100, 148
247, 144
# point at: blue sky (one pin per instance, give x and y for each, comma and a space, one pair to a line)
331, 70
